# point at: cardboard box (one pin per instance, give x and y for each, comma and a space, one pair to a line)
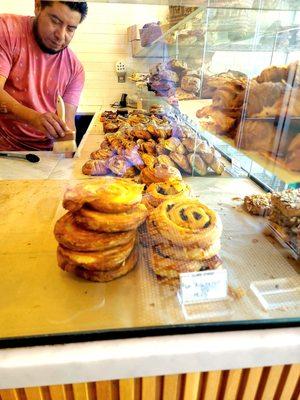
135, 47
133, 33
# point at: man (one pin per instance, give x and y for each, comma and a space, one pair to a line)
36, 66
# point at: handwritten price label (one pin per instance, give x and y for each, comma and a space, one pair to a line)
197, 287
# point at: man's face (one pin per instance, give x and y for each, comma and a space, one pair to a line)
55, 26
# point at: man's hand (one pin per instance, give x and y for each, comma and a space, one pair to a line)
50, 124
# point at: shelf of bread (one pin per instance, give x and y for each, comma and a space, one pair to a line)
276, 167
259, 117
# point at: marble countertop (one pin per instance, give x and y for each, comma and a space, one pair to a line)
149, 356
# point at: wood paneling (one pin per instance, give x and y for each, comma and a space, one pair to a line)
269, 383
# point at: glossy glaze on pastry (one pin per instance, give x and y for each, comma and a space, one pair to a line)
106, 194
97, 221
187, 222
103, 260
73, 237
102, 276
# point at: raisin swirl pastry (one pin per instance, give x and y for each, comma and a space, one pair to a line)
103, 260
98, 221
196, 253
72, 237
160, 173
171, 267
156, 193
187, 222
106, 194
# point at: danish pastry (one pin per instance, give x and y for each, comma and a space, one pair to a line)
160, 173
72, 237
159, 192
148, 159
102, 276
98, 221
106, 194
187, 222
196, 253
103, 260
171, 268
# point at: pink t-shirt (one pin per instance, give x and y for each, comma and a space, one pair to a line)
34, 79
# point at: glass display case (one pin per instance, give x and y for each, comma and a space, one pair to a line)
203, 262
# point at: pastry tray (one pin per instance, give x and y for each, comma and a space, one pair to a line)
290, 245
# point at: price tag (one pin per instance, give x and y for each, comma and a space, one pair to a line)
198, 287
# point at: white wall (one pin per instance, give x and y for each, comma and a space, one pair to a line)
99, 42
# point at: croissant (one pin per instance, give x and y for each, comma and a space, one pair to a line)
263, 95
174, 144
256, 136
197, 164
166, 160
101, 154
182, 162
95, 168
118, 165
228, 96
292, 160
273, 74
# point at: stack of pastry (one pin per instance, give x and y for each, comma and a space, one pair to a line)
185, 236
98, 236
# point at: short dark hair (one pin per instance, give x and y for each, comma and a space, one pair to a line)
81, 6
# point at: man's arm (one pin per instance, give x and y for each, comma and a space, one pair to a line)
48, 123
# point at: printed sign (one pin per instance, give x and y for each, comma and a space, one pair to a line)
198, 287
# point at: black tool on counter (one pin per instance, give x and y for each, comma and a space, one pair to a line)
123, 101
122, 112
29, 157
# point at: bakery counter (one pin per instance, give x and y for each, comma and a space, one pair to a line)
153, 334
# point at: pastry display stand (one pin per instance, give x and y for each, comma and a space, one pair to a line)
210, 365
